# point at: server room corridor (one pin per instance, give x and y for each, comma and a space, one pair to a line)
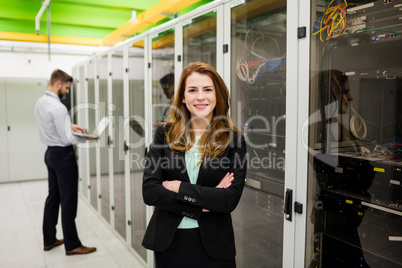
21, 244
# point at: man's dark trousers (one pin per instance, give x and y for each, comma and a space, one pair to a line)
63, 189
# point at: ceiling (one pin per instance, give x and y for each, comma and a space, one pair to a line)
87, 22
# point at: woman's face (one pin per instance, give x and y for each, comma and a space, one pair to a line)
200, 96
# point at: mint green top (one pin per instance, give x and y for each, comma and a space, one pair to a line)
192, 158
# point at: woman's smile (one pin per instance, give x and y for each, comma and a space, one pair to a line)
200, 106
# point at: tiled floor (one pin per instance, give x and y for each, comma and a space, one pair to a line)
21, 245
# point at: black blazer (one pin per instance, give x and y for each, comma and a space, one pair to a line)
215, 226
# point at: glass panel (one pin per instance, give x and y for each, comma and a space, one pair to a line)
199, 39
137, 144
91, 126
355, 165
74, 92
118, 143
258, 41
104, 149
80, 119
162, 75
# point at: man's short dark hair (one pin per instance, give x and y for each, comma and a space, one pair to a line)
59, 75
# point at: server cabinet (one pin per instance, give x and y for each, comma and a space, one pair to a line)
258, 105
102, 80
92, 123
18, 99
137, 125
117, 143
199, 39
81, 118
162, 68
355, 140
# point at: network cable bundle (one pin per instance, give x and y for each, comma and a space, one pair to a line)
381, 19
260, 66
265, 61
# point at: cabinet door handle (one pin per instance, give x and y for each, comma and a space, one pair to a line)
125, 147
109, 141
288, 204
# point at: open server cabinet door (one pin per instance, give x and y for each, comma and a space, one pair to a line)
355, 140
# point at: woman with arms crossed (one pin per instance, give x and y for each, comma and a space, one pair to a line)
195, 173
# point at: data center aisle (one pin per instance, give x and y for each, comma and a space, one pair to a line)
21, 245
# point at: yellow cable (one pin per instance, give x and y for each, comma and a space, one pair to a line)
337, 20
340, 88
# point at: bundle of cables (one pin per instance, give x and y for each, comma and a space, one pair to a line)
362, 125
394, 148
271, 65
333, 21
250, 71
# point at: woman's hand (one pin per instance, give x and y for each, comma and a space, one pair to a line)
226, 181
172, 185
175, 185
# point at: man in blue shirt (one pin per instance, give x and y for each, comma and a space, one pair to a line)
56, 131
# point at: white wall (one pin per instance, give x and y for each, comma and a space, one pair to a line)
31, 60
25, 150
3, 133
30, 64
35, 66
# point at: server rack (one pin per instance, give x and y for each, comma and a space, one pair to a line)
356, 164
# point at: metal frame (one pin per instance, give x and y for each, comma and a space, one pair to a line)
220, 40
82, 119
116, 126
303, 114
178, 50
296, 156
127, 156
127, 166
86, 124
111, 135
291, 129
98, 155
226, 73
148, 118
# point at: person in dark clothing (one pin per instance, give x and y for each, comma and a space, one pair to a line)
195, 176
56, 131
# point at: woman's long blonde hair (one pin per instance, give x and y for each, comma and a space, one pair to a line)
215, 140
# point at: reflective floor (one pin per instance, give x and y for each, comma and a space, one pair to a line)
21, 245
